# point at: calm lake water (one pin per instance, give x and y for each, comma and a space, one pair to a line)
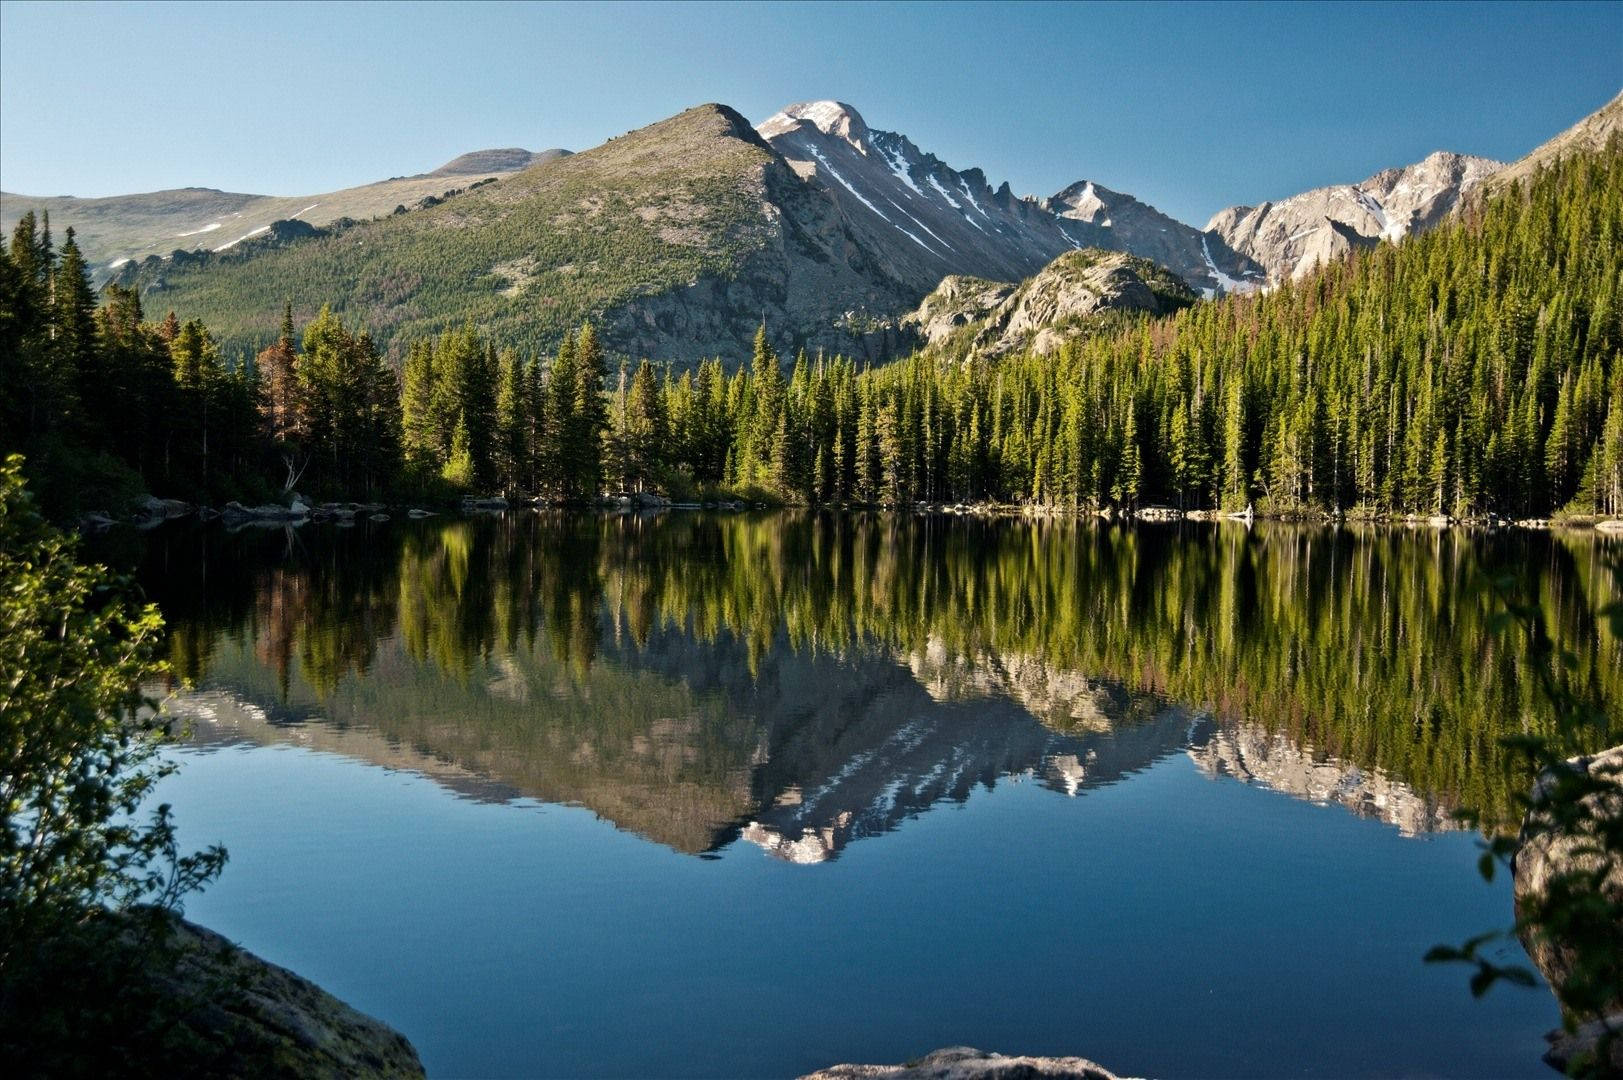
747, 795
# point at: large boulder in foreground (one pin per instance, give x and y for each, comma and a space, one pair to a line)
1545, 854
269, 1022
967, 1063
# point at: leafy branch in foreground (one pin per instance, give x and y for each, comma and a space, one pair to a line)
1568, 857
86, 887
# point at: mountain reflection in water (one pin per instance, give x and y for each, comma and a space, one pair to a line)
806, 680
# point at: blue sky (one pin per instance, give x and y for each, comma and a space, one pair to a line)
1192, 107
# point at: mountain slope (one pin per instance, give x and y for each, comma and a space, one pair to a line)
122, 228
1590, 134
931, 220
680, 237
1291, 236
1063, 300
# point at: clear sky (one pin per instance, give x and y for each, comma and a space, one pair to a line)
1191, 107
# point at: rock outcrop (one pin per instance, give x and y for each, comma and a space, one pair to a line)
1060, 302
1545, 854
236, 1015
1293, 235
967, 1063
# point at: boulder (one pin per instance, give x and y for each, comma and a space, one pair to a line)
1546, 852
967, 1063
153, 508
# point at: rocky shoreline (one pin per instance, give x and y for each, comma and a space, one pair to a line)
967, 1063
153, 511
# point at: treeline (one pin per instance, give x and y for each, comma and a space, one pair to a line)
1376, 646
1468, 371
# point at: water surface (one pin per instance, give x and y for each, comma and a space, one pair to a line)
747, 795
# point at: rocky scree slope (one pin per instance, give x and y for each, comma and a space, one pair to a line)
120, 229
1068, 298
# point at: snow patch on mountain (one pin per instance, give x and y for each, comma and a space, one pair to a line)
245, 236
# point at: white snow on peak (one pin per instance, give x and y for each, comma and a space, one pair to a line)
830, 117
898, 165
244, 236
210, 227
952, 202
970, 195
823, 161
1229, 284
116, 263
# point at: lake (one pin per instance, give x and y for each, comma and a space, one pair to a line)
746, 795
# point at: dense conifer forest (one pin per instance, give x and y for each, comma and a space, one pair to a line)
1469, 371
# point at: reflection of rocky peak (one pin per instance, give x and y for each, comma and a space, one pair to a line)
881, 774
1060, 697
1251, 754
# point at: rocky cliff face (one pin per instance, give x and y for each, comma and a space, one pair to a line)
1098, 217
1058, 303
927, 220
1293, 235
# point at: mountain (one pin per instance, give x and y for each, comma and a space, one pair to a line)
1291, 236
678, 238
1061, 301
124, 228
1592, 133
931, 220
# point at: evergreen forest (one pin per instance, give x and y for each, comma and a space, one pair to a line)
1470, 371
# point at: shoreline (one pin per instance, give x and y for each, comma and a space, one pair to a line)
154, 511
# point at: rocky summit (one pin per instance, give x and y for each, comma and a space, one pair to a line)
931, 220
1292, 236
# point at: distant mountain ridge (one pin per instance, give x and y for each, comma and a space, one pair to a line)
681, 237
117, 229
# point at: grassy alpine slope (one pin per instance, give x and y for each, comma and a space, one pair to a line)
524, 258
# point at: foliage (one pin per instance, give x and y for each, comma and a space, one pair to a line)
1369, 645
84, 884
1575, 810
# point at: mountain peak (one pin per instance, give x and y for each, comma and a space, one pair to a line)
834, 118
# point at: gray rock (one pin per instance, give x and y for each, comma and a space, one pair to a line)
153, 508
1544, 854
1044, 311
275, 1022
1293, 235
967, 1063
